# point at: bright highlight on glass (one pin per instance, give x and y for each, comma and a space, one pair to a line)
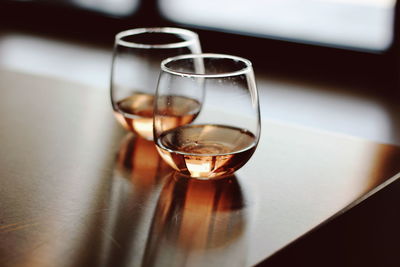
225, 130
135, 69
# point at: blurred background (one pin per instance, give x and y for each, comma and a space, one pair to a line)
327, 64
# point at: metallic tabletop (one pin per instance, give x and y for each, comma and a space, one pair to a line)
76, 190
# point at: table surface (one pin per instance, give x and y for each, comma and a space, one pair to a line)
76, 190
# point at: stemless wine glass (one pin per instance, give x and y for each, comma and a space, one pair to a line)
225, 133
135, 68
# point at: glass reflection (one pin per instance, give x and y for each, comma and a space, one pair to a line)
198, 223
139, 162
137, 179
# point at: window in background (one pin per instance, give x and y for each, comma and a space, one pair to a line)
117, 8
354, 24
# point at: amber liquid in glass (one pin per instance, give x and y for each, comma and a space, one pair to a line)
135, 113
206, 151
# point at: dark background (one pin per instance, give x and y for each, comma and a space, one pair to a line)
376, 71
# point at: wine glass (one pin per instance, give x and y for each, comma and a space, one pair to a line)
135, 68
225, 133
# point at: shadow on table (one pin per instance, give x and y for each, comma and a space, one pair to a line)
138, 176
198, 223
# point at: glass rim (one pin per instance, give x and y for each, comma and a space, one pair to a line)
177, 31
244, 70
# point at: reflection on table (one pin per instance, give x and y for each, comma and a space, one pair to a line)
138, 174
198, 223
158, 218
